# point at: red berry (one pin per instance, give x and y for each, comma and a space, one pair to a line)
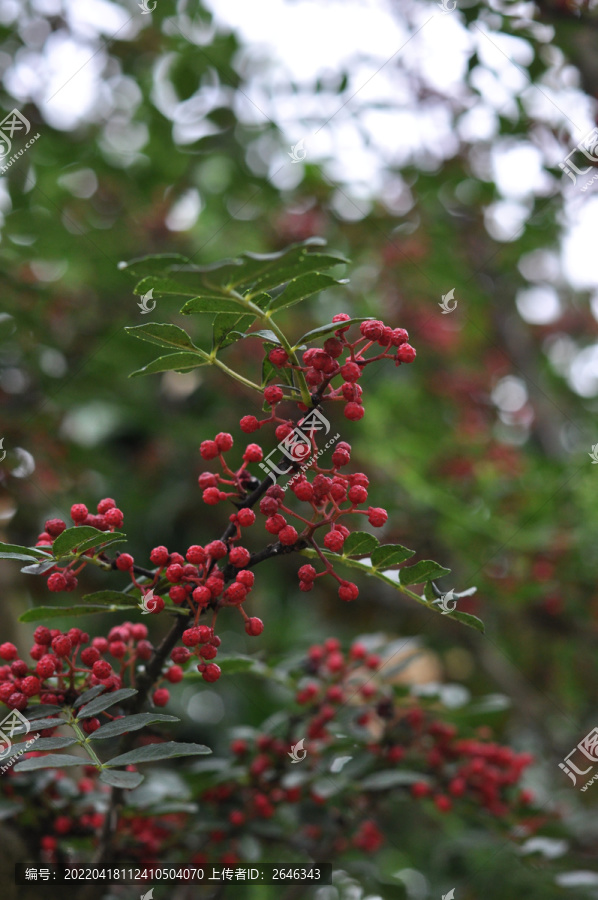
42, 635
161, 697
399, 336
207, 479
30, 686
377, 516
307, 573
17, 701
235, 593
354, 411
46, 666
209, 651
202, 595
288, 535
443, 803
269, 505
212, 496
357, 494
56, 582
114, 517
91, 725
8, 651
245, 517
79, 513
303, 491
89, 656
216, 549
118, 649
211, 672
249, 424
208, 450
224, 441
406, 353
253, 453
341, 317
180, 655
159, 556
334, 541
105, 504
275, 524
278, 357
191, 636
174, 674
178, 594
351, 372
254, 626
236, 817
196, 554
239, 557
174, 572
333, 347
372, 330
348, 591
246, 578
273, 394
62, 645
54, 527
124, 562
102, 669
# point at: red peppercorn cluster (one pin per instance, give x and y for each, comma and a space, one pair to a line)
64, 666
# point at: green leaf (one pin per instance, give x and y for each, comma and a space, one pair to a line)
120, 778
38, 568
15, 551
422, 571
99, 704
40, 613
301, 287
225, 325
76, 535
51, 761
129, 723
42, 724
152, 752
429, 592
89, 695
390, 555
359, 543
317, 333
156, 264
237, 662
166, 286
164, 335
266, 334
212, 305
108, 538
109, 598
389, 778
41, 710
468, 619
172, 362
53, 743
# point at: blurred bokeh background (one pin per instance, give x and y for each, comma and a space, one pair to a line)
429, 150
